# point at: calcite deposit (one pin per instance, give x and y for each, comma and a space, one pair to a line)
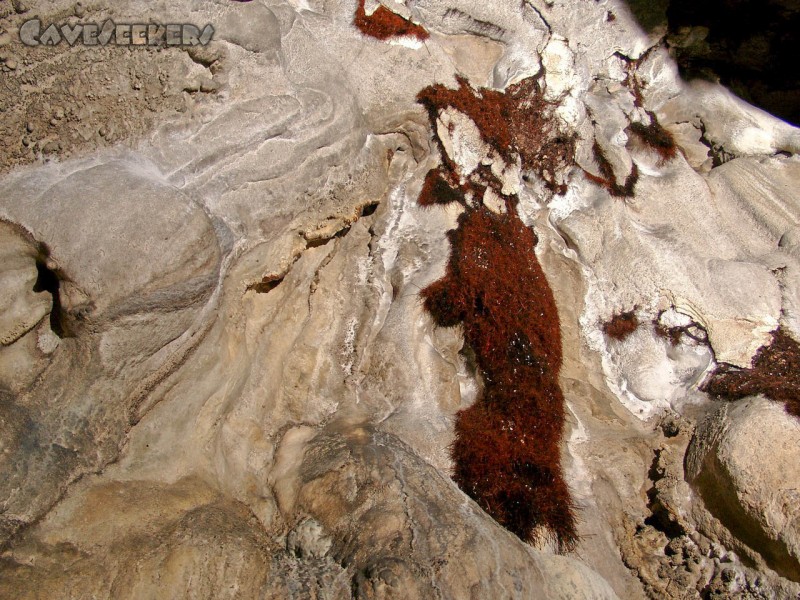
254, 293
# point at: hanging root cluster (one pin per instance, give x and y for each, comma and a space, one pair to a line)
655, 136
607, 178
775, 374
507, 445
515, 123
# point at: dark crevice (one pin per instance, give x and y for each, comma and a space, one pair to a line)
470, 24
266, 285
660, 517
718, 154
369, 209
270, 282
317, 242
48, 281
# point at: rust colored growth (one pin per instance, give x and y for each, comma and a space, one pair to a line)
675, 333
555, 154
655, 136
506, 455
631, 80
621, 325
634, 85
607, 178
384, 24
514, 122
487, 108
507, 446
437, 190
775, 374
493, 271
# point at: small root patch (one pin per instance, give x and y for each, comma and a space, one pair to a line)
621, 325
775, 374
384, 24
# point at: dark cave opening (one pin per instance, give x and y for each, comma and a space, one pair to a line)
746, 45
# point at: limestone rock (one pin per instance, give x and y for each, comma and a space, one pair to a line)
749, 484
23, 305
217, 376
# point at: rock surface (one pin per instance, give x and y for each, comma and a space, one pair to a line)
749, 484
217, 378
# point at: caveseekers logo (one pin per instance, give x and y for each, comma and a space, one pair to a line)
31, 33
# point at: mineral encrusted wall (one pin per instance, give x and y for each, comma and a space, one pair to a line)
219, 373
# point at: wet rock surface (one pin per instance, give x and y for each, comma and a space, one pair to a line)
218, 377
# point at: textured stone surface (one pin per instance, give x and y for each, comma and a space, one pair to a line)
234, 391
749, 484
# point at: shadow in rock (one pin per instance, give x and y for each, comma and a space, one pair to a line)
750, 46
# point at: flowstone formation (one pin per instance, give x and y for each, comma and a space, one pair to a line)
425, 299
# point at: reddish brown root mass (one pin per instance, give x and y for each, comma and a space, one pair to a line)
514, 122
607, 178
621, 325
655, 136
384, 24
507, 445
437, 190
507, 448
775, 374
676, 333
